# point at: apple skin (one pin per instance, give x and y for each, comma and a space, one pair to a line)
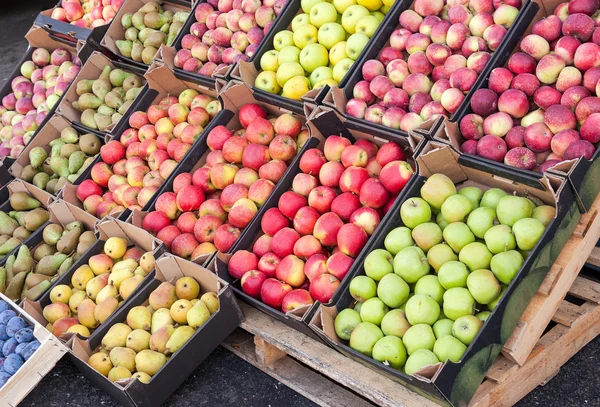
338, 265
252, 281
312, 161
241, 262
395, 175
305, 219
297, 298
323, 287
367, 218
273, 221
273, 291
351, 239
290, 270
327, 227
283, 242
290, 202
345, 204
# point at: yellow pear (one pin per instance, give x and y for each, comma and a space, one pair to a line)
139, 271
85, 315
79, 329
95, 285
115, 247
187, 288
211, 300
101, 363
159, 339
121, 356
142, 377
117, 277
179, 338
61, 293
129, 285
149, 362
138, 340
108, 291
198, 315
116, 336
139, 318
163, 296
147, 262
81, 276
179, 311
160, 318
75, 300
105, 309
118, 373
55, 311
100, 264
130, 264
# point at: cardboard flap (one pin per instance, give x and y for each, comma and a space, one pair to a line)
161, 78
63, 212
20, 186
38, 37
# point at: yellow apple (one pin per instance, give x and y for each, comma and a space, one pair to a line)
314, 56
328, 82
320, 74
331, 33
355, 44
267, 81
308, 4
282, 39
337, 52
367, 25
269, 61
287, 71
299, 20
351, 17
342, 5
323, 13
371, 5
296, 87
340, 69
304, 35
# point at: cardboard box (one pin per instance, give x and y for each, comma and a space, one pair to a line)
183, 362
19, 186
116, 31
34, 368
325, 122
455, 383
38, 38
234, 96
51, 131
92, 70
105, 229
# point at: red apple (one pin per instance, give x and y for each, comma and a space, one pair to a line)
305, 219
339, 264
225, 237
283, 242
373, 194
312, 161
321, 199
112, 152
268, 264
273, 291
273, 221
250, 112
327, 227
168, 234
262, 245
155, 221
395, 175
323, 287
345, 204
252, 281
290, 202
241, 262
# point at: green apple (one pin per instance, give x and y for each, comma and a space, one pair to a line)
484, 315
417, 337
362, 288
342, 5
411, 264
480, 220
398, 239
443, 327
345, 322
465, 328
512, 208
476, 256
355, 45
299, 20
283, 39
422, 309
483, 286
296, 87
304, 35
330, 34
430, 285
492, 305
403, 306
373, 310
473, 194
325, 82
528, 232
323, 13
351, 15
364, 337
441, 221
392, 290
367, 25
287, 71
320, 74
415, 211
307, 5
418, 360
449, 348
289, 53
267, 81
491, 197
357, 307
426, 235
378, 15
499, 239
440, 254
313, 56
341, 68
391, 351
337, 53
458, 301
378, 263
269, 61
458, 235
506, 265
453, 274
544, 213
456, 208
395, 323
437, 189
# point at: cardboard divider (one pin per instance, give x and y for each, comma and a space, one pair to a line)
92, 70
325, 122
116, 31
450, 382
37, 366
183, 362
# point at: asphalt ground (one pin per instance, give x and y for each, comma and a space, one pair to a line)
224, 379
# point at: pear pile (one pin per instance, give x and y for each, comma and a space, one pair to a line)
61, 161
31, 272
147, 29
16, 226
105, 100
97, 288
153, 332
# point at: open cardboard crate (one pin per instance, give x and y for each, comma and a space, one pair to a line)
234, 96
108, 228
324, 123
185, 360
39, 38
116, 31
19, 186
46, 134
161, 82
36, 367
455, 383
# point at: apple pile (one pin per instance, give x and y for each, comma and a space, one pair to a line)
543, 107
132, 168
430, 290
320, 226
432, 61
322, 45
240, 173
224, 36
87, 13
35, 92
